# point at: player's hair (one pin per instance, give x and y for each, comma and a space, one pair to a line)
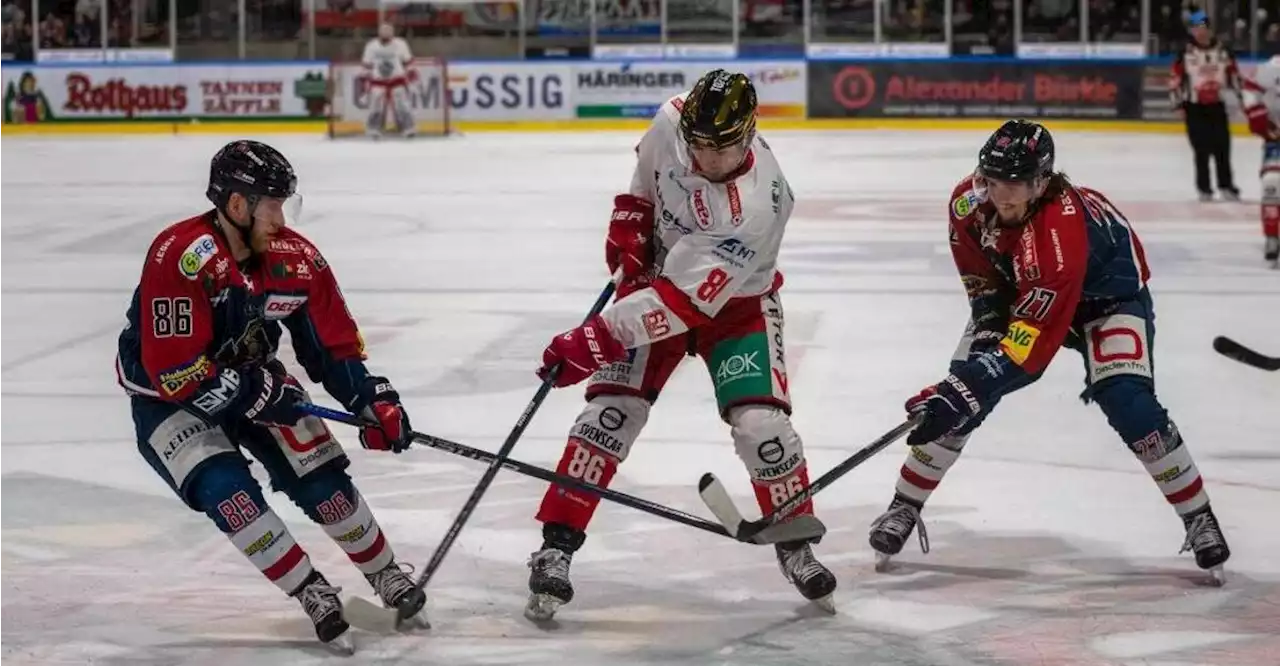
1058, 182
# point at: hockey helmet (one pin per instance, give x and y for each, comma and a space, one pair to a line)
1019, 151
720, 111
251, 168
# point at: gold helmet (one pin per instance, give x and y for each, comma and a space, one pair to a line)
720, 111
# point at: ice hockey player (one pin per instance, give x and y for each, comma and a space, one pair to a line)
1046, 264
198, 360
697, 238
1262, 103
387, 63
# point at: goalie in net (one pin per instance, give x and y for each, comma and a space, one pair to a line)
387, 61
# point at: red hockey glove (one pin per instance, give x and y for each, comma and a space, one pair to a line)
630, 241
581, 352
383, 406
946, 407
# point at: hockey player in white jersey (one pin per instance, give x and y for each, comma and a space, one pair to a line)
697, 239
1262, 106
387, 59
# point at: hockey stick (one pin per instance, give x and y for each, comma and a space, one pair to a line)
717, 498
362, 612
1236, 351
789, 531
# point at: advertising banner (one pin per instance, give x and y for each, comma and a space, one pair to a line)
948, 89
34, 93
636, 90
511, 91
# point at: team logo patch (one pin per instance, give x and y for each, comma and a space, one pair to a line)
197, 254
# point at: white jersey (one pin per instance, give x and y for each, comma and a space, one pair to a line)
716, 241
387, 61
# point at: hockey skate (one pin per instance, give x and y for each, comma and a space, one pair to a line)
1230, 194
890, 531
397, 591
1206, 197
549, 586
320, 600
1205, 539
814, 581
1271, 251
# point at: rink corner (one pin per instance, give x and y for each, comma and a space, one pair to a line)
145, 127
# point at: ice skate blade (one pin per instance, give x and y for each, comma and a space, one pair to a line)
883, 562
343, 645
1217, 576
826, 604
541, 607
362, 613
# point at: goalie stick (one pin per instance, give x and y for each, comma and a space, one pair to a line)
717, 498
1236, 351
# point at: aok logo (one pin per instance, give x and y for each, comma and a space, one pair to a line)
738, 366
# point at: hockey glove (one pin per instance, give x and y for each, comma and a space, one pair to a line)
270, 398
946, 407
382, 404
630, 241
581, 352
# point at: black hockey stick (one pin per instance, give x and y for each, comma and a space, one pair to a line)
1234, 350
717, 498
794, 530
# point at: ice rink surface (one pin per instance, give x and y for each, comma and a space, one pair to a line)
462, 257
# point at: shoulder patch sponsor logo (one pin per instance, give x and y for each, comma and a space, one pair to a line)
164, 247
197, 255
701, 212
279, 306
286, 246
735, 203
964, 204
1019, 341
734, 252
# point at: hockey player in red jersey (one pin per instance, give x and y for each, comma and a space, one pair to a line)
697, 238
198, 360
1046, 264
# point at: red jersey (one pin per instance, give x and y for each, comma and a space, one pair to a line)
1025, 283
196, 312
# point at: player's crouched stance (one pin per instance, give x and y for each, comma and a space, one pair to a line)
197, 358
705, 213
1046, 264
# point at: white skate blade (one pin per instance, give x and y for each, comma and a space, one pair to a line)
364, 614
826, 604
344, 645
1217, 576
541, 607
883, 562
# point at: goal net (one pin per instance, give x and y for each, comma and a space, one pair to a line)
350, 98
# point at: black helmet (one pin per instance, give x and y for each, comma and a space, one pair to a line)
720, 110
251, 168
1019, 150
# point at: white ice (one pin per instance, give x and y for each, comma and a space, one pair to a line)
462, 257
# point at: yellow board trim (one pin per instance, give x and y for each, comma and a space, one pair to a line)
319, 127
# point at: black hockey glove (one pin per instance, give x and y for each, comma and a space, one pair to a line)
946, 407
251, 392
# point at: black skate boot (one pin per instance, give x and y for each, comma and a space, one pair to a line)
813, 580
320, 600
549, 585
1271, 251
890, 531
1205, 539
398, 591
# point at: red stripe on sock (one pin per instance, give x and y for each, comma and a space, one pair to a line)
1186, 493
370, 552
910, 476
285, 564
